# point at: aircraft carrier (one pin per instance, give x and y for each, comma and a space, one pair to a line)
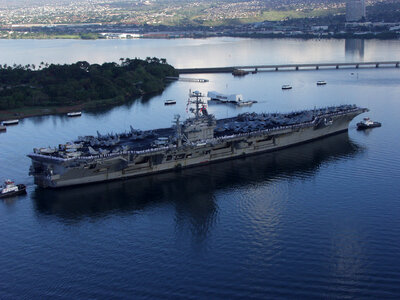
199, 140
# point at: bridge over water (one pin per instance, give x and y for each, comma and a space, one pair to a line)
292, 67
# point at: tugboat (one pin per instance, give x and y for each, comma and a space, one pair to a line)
10, 189
367, 123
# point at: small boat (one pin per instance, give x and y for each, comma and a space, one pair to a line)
74, 114
321, 82
286, 87
367, 123
10, 189
169, 102
10, 122
245, 103
2, 127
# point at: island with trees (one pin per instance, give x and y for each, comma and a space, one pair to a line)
44, 89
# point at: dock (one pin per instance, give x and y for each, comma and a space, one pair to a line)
291, 67
187, 79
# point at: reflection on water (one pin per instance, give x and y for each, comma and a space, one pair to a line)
191, 191
142, 100
354, 49
40, 119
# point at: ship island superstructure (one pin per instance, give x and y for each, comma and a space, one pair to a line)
198, 140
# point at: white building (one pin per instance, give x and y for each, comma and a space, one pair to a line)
355, 10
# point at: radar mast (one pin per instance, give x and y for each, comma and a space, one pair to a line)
196, 98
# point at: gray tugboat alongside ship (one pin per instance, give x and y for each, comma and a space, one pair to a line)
198, 140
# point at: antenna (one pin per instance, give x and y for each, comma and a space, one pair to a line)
197, 95
178, 130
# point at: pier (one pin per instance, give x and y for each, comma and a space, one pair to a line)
292, 67
187, 79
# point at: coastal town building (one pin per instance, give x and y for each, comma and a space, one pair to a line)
355, 10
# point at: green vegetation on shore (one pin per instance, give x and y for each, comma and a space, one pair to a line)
81, 84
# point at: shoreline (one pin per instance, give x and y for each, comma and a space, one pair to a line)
255, 35
27, 112
251, 36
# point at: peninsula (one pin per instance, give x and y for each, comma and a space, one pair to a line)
47, 89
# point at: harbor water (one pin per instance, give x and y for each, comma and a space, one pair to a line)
318, 220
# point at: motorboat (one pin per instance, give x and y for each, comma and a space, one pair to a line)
245, 103
74, 114
367, 123
286, 87
169, 102
321, 82
2, 127
9, 189
10, 122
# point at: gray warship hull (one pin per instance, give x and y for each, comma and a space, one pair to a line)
50, 171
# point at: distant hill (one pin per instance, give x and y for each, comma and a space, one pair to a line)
272, 3
179, 12
36, 2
